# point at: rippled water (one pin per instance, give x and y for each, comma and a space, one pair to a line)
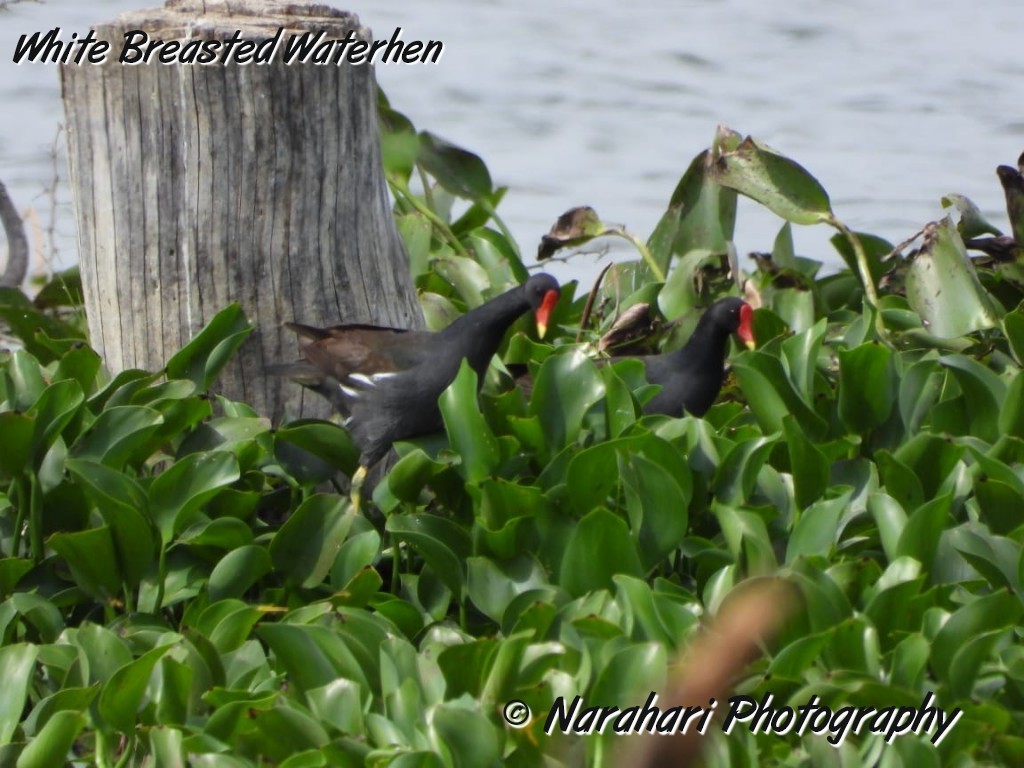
890, 105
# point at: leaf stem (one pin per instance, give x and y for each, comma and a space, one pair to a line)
864, 267
648, 257
421, 207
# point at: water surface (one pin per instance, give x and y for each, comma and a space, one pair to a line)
890, 105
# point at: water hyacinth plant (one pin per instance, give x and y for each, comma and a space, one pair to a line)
182, 583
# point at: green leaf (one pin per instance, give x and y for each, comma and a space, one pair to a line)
237, 571
201, 360
121, 695
465, 734
817, 529
658, 501
181, 490
920, 539
460, 172
18, 430
631, 671
771, 394
328, 442
491, 586
17, 666
467, 429
943, 289
599, 548
776, 182
890, 520
305, 547
92, 557
53, 743
680, 295
117, 434
701, 215
122, 503
565, 388
980, 617
867, 387
984, 394
809, 466
444, 545
737, 474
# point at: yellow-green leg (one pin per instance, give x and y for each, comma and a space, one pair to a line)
357, 487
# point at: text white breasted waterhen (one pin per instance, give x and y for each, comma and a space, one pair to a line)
387, 381
691, 377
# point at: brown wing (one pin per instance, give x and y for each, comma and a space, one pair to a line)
343, 350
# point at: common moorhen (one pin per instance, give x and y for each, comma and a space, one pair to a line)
387, 381
691, 377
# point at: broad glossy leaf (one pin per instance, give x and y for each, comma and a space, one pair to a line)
776, 182
460, 172
630, 674
890, 520
701, 213
790, 662
680, 294
92, 557
117, 435
492, 586
122, 694
18, 430
53, 411
1011, 415
178, 492
104, 651
995, 557
167, 746
990, 613
466, 734
919, 389
771, 394
443, 544
303, 550
52, 744
943, 289
984, 394
416, 231
599, 548
737, 475
413, 471
201, 360
809, 466
817, 529
313, 656
925, 525
327, 441
26, 380
237, 571
359, 551
658, 503
122, 503
972, 222
867, 387
17, 666
565, 388
467, 429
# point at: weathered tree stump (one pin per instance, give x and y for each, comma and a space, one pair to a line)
196, 185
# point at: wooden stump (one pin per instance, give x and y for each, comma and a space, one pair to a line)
199, 185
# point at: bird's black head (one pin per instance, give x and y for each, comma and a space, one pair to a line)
734, 315
542, 293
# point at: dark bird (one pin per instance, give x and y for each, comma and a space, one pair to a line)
691, 377
387, 381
